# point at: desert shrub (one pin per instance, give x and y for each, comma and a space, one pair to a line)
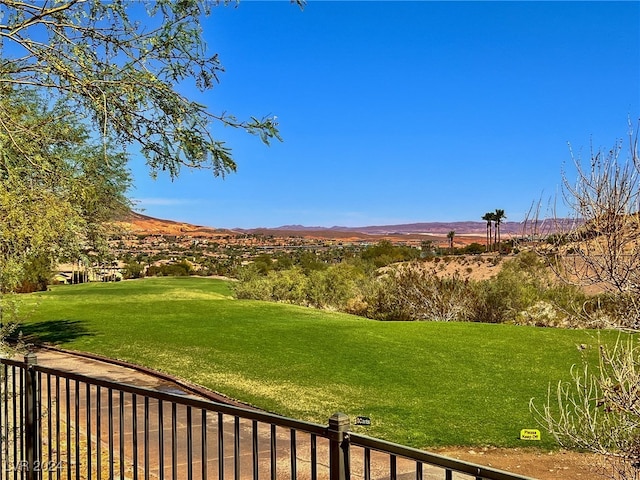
335, 287
411, 293
385, 253
597, 410
518, 286
473, 249
613, 310
256, 289
179, 269
263, 263
524, 292
289, 286
133, 269
339, 287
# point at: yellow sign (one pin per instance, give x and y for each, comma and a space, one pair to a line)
529, 434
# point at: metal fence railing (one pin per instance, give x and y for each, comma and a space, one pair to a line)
57, 425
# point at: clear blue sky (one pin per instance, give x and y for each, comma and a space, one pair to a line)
399, 112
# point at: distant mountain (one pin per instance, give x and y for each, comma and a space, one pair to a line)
426, 228
143, 224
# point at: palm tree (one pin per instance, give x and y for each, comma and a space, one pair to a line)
450, 236
488, 217
497, 217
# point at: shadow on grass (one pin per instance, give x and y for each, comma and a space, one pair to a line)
53, 332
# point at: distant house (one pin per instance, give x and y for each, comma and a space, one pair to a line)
62, 278
69, 273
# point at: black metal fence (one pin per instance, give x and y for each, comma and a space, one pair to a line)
56, 425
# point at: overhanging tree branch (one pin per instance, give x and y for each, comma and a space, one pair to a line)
121, 71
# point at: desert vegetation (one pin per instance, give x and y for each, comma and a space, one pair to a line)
522, 291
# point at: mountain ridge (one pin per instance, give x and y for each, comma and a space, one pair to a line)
141, 223
439, 228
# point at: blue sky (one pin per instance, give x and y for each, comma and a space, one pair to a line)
400, 112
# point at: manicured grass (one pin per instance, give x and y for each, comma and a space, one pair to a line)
423, 384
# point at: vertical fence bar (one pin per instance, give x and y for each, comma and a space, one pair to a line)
367, 464
7, 421
147, 467
22, 377
134, 434
58, 401
314, 456
220, 447
39, 422
31, 431
204, 444
49, 428
67, 406
418, 470
293, 454
88, 416
189, 445
111, 448
393, 467
236, 448
76, 402
174, 441
16, 437
98, 432
121, 431
273, 452
254, 449
160, 441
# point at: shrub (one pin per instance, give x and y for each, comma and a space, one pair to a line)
335, 286
411, 293
134, 270
289, 286
385, 253
252, 286
474, 249
524, 292
179, 269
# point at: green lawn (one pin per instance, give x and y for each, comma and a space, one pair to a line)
423, 384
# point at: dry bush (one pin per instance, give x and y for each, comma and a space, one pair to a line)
414, 293
598, 246
599, 411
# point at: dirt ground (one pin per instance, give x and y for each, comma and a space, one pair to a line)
557, 465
